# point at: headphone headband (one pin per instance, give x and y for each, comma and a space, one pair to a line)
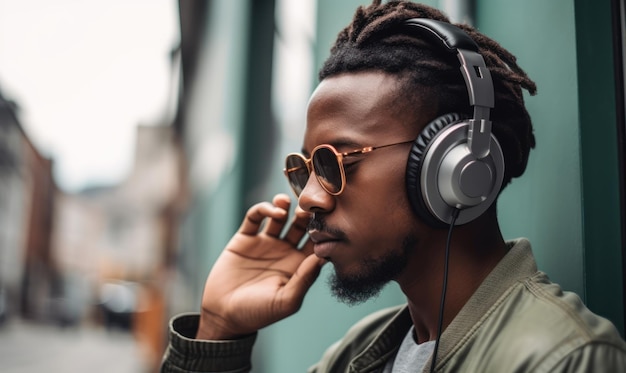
455, 163
452, 38
475, 73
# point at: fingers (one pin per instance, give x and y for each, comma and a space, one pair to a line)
307, 248
298, 227
272, 217
275, 225
257, 214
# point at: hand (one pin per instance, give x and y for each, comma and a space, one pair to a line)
260, 277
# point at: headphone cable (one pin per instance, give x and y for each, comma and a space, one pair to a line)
455, 215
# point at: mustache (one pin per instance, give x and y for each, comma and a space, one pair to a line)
318, 223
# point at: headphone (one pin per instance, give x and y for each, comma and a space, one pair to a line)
455, 165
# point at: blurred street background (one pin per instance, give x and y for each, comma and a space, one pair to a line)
90, 183
54, 349
134, 135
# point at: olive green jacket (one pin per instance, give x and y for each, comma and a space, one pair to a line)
516, 321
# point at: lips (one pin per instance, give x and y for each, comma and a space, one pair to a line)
324, 242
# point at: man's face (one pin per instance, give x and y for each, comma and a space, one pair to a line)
368, 231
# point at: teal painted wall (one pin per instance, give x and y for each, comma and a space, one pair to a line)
567, 203
600, 167
214, 122
544, 204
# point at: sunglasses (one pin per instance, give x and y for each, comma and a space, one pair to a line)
327, 163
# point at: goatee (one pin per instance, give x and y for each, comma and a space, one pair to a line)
374, 275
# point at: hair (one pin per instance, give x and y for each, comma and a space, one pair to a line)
374, 40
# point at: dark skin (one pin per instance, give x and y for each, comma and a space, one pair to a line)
261, 277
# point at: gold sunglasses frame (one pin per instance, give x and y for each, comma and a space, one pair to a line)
308, 162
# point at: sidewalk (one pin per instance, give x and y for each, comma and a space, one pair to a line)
32, 348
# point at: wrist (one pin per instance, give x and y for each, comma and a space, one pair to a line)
211, 330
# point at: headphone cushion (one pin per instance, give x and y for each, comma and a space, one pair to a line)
414, 166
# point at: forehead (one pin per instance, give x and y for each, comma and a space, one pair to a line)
363, 108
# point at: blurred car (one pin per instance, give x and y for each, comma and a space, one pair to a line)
118, 303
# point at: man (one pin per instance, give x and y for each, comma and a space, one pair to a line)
400, 151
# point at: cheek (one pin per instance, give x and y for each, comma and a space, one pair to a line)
386, 186
379, 200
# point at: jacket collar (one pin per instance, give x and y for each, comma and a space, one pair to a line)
516, 265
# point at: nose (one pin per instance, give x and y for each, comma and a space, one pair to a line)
314, 198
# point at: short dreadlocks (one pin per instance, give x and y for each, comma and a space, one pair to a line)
374, 41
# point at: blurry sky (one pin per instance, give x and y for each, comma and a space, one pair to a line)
85, 73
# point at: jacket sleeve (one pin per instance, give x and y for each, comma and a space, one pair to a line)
593, 357
186, 354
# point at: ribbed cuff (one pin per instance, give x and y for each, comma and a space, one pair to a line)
186, 354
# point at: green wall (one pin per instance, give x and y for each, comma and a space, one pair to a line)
567, 203
600, 167
544, 204
213, 131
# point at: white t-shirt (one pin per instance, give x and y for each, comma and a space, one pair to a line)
411, 357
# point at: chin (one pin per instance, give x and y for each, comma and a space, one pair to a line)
353, 290
365, 279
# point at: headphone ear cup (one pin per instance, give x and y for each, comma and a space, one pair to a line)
414, 167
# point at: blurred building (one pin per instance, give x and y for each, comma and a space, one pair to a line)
114, 244
100, 256
125, 231
29, 277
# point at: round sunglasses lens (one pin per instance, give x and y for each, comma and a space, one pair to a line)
297, 173
327, 169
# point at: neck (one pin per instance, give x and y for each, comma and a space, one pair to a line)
475, 249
